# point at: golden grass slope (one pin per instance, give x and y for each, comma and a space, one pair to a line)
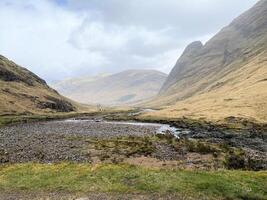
24, 93
225, 77
243, 95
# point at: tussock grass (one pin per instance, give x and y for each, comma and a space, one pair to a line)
5, 120
84, 178
12, 119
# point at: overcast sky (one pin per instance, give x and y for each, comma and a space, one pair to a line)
66, 38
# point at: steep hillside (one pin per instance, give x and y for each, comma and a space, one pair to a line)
22, 92
118, 89
225, 77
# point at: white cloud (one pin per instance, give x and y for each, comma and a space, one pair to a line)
80, 37
36, 35
96, 37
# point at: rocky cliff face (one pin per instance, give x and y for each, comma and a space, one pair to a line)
191, 51
225, 77
23, 92
201, 67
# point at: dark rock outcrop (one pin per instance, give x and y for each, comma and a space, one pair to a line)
56, 104
9, 71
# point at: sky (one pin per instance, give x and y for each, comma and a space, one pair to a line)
58, 39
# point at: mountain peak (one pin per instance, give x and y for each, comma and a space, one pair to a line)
230, 66
193, 48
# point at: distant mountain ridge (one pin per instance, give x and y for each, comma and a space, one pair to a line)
226, 76
123, 88
23, 92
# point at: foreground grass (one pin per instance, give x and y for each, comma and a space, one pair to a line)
84, 178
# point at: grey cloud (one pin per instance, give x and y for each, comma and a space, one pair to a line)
190, 17
133, 33
62, 38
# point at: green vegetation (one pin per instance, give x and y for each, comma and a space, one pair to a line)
18, 119
12, 119
201, 147
25, 119
83, 178
116, 150
126, 146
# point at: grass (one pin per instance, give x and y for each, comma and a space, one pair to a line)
5, 120
84, 178
127, 146
12, 119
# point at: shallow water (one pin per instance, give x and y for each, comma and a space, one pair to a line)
88, 127
159, 128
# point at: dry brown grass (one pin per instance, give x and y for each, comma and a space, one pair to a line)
17, 99
244, 95
225, 77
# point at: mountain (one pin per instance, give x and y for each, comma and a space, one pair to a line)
70, 85
123, 88
225, 77
23, 92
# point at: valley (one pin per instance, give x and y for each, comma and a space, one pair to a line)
197, 133
120, 89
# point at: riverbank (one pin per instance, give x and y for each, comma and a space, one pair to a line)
91, 156
94, 140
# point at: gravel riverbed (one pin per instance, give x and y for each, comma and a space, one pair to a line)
66, 140
91, 140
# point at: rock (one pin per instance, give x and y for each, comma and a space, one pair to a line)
56, 104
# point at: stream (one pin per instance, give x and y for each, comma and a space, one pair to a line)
158, 128
67, 140
61, 140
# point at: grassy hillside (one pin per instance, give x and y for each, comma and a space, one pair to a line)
225, 77
24, 93
123, 88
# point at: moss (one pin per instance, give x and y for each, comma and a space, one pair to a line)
114, 149
200, 147
235, 159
